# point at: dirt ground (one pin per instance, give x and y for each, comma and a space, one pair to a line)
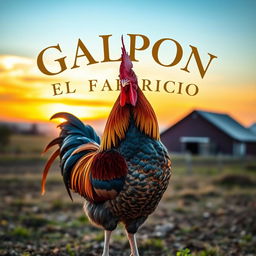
209, 208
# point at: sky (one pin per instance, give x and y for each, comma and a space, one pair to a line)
225, 29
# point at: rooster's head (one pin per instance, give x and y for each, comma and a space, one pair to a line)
128, 80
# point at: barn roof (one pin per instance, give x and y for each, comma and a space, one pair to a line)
228, 125
252, 128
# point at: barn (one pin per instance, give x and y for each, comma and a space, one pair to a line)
208, 133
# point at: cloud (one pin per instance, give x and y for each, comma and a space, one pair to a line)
10, 62
17, 99
39, 79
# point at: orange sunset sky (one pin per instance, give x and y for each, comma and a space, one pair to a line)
229, 85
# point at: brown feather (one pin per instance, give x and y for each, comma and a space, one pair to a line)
46, 169
51, 144
88, 146
80, 178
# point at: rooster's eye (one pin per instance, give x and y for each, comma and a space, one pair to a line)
124, 82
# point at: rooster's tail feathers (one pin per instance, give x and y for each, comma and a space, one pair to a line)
74, 135
94, 174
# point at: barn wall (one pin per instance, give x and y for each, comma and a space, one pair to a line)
251, 148
196, 126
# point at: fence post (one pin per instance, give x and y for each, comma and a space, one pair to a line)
219, 162
188, 158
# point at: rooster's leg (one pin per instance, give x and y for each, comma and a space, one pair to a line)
133, 244
106, 243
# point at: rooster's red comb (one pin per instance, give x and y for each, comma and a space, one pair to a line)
126, 64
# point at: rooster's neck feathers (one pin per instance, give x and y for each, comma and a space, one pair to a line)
145, 117
119, 120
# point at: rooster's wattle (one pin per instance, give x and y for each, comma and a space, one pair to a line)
123, 176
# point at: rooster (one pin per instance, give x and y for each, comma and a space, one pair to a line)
123, 176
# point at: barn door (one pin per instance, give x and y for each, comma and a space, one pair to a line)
239, 149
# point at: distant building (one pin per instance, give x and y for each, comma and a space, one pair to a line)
22, 128
33, 130
205, 133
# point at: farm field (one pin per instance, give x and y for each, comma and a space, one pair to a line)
209, 208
